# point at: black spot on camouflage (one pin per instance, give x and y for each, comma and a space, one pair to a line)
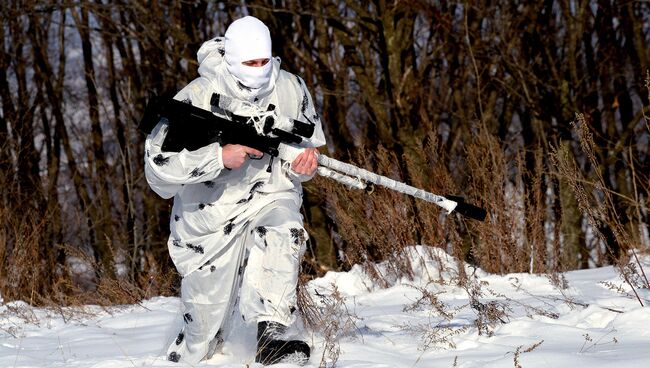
188, 318
176, 217
195, 248
228, 228
298, 235
213, 268
174, 357
196, 173
202, 205
252, 192
176, 243
209, 184
261, 231
256, 186
180, 338
160, 160
303, 104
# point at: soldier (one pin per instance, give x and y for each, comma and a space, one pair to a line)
236, 229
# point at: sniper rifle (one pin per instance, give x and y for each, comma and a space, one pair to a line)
191, 128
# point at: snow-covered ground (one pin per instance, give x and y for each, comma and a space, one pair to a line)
526, 322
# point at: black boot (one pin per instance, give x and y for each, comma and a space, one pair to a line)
272, 349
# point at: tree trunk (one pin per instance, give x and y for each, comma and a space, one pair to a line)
103, 224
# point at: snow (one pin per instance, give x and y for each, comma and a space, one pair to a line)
594, 322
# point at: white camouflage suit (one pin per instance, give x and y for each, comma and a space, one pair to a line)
232, 227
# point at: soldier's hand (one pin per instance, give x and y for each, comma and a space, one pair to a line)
234, 155
306, 162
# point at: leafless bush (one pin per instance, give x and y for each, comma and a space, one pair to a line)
519, 351
429, 301
489, 313
27, 267
31, 270
602, 211
329, 316
501, 247
375, 226
438, 332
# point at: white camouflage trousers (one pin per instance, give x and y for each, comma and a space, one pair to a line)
258, 271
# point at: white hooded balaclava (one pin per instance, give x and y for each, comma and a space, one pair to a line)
247, 39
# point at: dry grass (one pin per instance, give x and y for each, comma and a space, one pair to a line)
377, 226
25, 270
439, 331
329, 316
521, 350
597, 205
501, 245
57, 275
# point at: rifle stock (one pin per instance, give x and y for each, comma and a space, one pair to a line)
191, 128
